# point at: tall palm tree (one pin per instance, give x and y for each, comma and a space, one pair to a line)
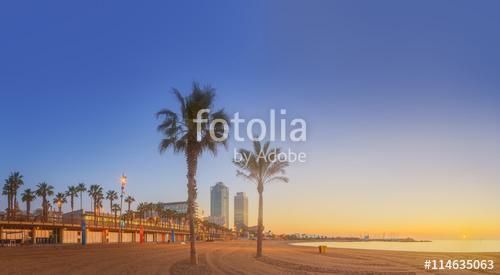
261, 167
44, 191
184, 135
59, 200
6, 191
129, 200
91, 193
28, 196
17, 180
111, 195
99, 204
96, 196
72, 193
81, 188
11, 186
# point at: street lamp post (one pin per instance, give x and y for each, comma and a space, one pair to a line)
123, 182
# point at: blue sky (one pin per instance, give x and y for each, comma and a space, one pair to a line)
382, 85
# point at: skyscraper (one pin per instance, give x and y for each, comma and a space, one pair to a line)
240, 210
219, 202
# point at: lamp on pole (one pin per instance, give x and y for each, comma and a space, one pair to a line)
123, 182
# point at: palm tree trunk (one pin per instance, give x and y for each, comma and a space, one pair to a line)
44, 209
192, 162
8, 205
260, 226
15, 203
28, 210
95, 211
9, 214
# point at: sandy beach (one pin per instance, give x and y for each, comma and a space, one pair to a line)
233, 257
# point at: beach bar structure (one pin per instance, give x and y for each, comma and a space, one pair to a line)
81, 227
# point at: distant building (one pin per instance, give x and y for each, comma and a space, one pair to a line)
240, 210
219, 203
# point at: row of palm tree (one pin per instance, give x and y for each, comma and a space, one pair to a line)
11, 187
44, 191
187, 133
213, 229
157, 212
95, 192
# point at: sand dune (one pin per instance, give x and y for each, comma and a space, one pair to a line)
236, 257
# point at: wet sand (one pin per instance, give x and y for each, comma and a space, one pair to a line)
232, 257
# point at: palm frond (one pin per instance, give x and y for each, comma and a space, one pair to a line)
276, 167
261, 165
277, 179
245, 176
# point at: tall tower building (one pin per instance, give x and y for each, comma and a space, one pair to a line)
240, 210
219, 203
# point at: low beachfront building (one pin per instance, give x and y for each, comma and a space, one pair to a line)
108, 228
84, 227
87, 228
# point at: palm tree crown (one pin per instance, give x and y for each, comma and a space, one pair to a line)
81, 188
181, 131
72, 193
28, 196
96, 195
261, 166
129, 200
59, 200
111, 195
44, 190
